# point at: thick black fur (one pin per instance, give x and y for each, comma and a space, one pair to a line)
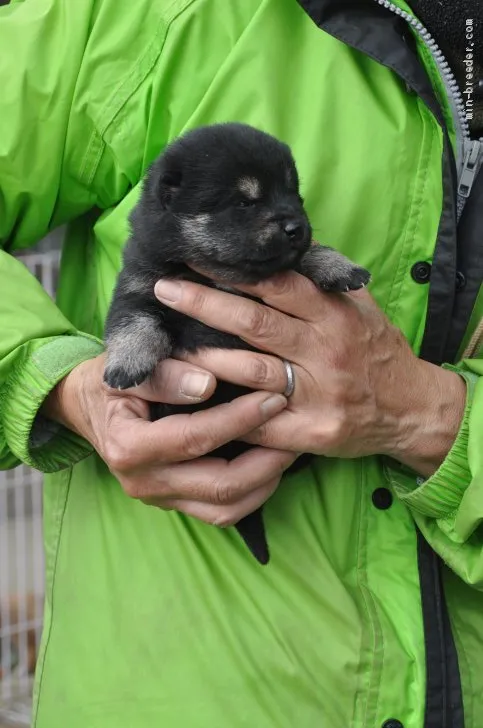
224, 199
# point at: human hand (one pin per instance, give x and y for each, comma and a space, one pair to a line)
359, 389
163, 463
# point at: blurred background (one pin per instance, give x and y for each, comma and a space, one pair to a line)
21, 548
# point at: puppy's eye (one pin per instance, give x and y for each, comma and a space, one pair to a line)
245, 203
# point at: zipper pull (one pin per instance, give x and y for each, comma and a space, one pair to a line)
470, 169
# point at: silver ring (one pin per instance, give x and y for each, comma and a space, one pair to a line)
290, 378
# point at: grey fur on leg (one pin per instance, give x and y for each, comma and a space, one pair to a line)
134, 348
332, 271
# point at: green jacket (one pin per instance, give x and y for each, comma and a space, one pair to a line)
366, 613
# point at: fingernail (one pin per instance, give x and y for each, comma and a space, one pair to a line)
194, 384
273, 404
168, 290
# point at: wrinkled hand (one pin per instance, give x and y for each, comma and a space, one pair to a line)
359, 389
161, 463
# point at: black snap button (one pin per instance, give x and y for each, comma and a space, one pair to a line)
392, 723
382, 499
421, 272
460, 281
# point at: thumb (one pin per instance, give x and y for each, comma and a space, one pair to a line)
175, 382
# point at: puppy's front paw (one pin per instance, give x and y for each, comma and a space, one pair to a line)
352, 280
134, 349
332, 271
118, 377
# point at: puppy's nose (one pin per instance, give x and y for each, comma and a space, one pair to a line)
294, 230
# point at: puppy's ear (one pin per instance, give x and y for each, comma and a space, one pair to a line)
168, 186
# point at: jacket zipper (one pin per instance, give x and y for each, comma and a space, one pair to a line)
469, 151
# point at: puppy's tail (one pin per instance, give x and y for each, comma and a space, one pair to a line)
252, 530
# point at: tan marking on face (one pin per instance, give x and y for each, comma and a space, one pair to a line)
251, 187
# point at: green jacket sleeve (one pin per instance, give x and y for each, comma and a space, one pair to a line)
43, 108
448, 507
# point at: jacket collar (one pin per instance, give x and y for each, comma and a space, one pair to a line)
380, 34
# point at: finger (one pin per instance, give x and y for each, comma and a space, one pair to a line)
214, 481
289, 291
246, 368
175, 382
259, 325
220, 482
136, 442
294, 294
217, 482
224, 516
289, 431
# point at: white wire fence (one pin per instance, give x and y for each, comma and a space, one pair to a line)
22, 561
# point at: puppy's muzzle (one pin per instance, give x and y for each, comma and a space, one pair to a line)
295, 233
295, 230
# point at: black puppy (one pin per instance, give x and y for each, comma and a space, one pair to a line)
224, 199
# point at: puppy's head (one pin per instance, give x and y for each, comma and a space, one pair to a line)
233, 192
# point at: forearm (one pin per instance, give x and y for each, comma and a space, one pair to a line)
431, 419
62, 403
